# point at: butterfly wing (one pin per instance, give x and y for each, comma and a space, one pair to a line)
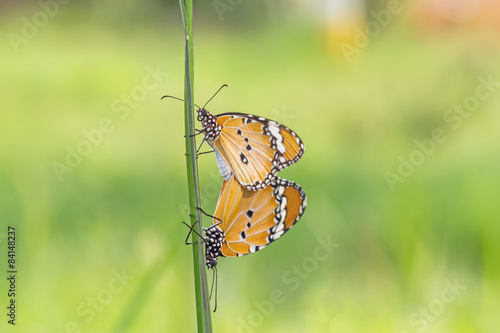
255, 148
224, 168
253, 219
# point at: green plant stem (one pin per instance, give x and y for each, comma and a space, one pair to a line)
203, 313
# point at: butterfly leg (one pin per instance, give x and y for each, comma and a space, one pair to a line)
189, 233
216, 218
197, 150
199, 147
198, 132
205, 152
191, 229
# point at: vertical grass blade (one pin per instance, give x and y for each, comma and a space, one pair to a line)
203, 313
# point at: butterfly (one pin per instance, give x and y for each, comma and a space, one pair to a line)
246, 221
251, 148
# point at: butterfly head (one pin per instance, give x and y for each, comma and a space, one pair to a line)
211, 262
208, 124
213, 240
201, 114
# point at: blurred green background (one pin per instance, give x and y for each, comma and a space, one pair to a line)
418, 253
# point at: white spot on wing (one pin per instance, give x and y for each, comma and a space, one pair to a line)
275, 131
279, 228
281, 147
278, 234
281, 190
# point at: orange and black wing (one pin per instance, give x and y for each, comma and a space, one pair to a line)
253, 219
255, 148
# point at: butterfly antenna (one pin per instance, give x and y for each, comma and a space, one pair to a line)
214, 279
224, 85
179, 99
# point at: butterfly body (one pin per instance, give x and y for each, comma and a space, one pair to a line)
253, 148
213, 239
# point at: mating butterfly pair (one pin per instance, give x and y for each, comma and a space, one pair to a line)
255, 206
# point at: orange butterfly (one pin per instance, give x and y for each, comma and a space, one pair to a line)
246, 221
252, 148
